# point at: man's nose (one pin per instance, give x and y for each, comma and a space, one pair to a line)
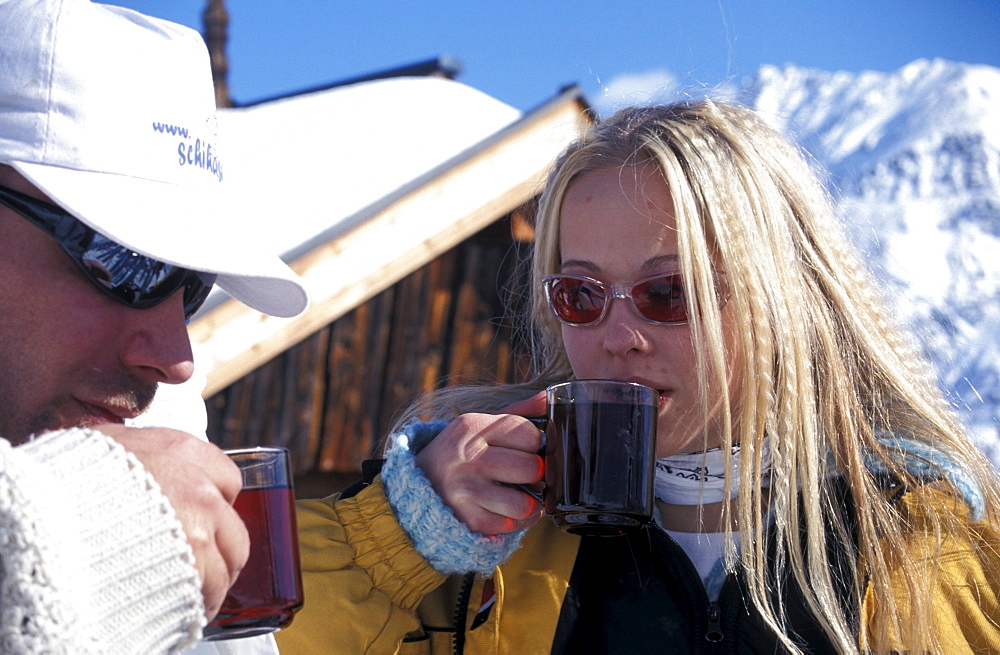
156, 345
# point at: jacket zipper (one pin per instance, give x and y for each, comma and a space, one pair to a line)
462, 613
713, 633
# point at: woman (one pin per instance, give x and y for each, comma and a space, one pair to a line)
690, 248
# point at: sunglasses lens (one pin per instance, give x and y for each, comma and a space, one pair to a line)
126, 274
661, 299
128, 277
576, 300
136, 280
196, 290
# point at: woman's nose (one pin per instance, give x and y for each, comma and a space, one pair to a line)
624, 329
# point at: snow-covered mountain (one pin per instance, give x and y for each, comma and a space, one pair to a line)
914, 160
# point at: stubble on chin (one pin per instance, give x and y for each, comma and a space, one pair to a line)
130, 395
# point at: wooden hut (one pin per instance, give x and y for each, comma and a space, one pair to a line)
397, 199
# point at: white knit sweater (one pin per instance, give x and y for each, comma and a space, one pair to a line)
92, 557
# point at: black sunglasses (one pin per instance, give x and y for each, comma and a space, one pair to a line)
132, 279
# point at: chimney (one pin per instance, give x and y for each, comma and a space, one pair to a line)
216, 21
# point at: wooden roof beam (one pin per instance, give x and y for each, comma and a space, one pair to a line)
394, 237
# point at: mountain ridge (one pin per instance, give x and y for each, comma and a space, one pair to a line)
913, 161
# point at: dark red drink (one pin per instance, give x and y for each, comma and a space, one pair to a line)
599, 465
269, 589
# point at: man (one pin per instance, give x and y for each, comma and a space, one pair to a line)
112, 233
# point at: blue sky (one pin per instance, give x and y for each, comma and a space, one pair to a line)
522, 52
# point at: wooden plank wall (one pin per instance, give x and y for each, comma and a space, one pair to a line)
332, 398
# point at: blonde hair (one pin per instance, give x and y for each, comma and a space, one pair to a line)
824, 372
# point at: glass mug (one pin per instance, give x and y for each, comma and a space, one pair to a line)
600, 453
268, 590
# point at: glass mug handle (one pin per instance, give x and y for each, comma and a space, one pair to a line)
540, 422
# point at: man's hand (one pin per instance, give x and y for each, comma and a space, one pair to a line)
201, 483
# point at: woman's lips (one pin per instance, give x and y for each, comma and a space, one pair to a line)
663, 395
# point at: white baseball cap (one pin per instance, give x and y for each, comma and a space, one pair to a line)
111, 114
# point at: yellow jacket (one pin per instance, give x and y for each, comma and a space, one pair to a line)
368, 590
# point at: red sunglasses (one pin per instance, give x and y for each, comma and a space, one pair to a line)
580, 301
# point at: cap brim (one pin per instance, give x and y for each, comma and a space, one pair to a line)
168, 222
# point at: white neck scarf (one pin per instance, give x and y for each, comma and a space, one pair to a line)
700, 478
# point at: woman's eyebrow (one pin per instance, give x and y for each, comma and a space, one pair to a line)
649, 264
578, 263
655, 262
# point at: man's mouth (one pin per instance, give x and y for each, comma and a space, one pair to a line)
98, 414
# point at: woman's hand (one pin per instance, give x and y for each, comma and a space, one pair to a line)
471, 458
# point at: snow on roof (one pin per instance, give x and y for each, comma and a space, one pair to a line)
296, 167
357, 186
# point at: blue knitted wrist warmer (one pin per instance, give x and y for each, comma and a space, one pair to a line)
447, 543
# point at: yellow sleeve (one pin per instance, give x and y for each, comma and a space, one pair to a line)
965, 574
967, 597
362, 577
